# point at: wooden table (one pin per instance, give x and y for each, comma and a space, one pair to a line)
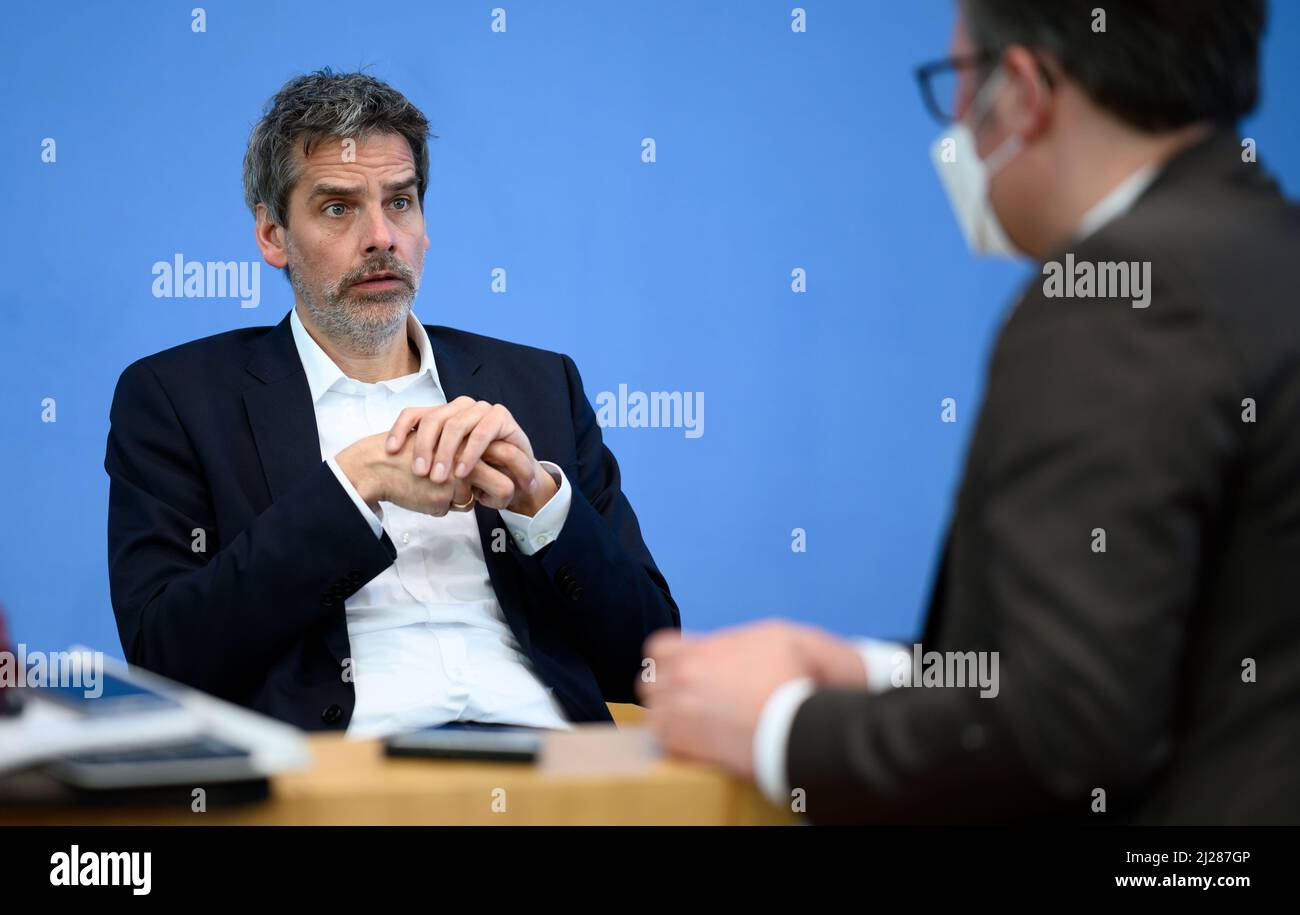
353, 783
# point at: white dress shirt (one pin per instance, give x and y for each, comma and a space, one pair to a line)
881, 659
430, 643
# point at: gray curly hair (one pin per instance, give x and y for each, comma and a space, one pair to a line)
317, 106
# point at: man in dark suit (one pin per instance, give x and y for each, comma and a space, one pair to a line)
340, 521
1115, 632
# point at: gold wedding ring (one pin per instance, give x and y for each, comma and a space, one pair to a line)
467, 505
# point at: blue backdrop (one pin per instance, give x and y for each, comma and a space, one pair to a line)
774, 151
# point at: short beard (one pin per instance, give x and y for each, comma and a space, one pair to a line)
362, 323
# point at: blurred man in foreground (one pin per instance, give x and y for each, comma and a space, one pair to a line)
1114, 630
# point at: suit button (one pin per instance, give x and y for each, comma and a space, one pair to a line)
332, 714
575, 593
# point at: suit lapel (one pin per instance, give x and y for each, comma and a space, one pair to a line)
283, 420
462, 373
280, 412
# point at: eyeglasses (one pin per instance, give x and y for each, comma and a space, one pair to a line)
940, 80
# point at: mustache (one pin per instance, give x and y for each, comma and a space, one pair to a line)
389, 265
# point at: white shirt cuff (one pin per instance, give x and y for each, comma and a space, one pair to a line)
544, 527
887, 663
772, 736
376, 524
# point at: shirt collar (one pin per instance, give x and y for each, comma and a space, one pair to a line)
324, 375
1117, 202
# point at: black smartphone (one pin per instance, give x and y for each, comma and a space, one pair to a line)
470, 740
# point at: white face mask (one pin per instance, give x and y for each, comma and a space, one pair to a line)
966, 178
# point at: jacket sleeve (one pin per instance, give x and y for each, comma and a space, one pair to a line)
1099, 417
607, 581
198, 606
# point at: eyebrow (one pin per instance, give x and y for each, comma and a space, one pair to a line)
350, 191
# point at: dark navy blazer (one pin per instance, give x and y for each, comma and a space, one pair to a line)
219, 435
